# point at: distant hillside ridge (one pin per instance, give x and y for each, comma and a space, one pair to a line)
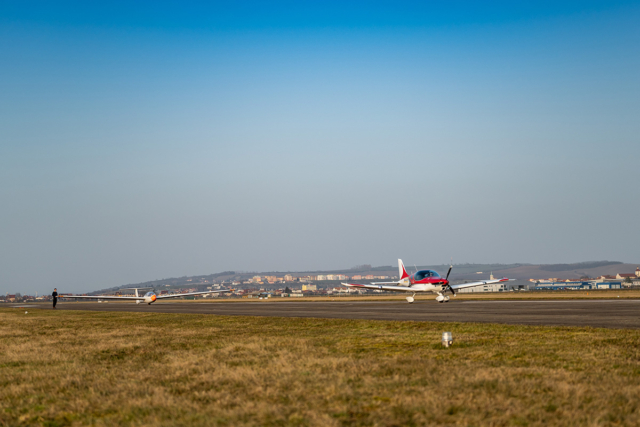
578, 265
466, 271
173, 281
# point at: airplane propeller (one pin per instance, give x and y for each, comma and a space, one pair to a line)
447, 279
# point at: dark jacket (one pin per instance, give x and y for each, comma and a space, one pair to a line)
54, 294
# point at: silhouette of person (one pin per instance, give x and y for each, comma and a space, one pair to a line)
55, 297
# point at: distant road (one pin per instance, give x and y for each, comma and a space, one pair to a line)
623, 313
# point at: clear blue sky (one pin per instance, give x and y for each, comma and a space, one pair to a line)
142, 140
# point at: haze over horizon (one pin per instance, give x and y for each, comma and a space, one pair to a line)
149, 140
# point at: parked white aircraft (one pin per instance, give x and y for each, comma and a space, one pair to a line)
423, 281
149, 297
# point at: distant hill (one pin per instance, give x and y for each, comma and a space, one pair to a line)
578, 266
560, 271
176, 282
460, 272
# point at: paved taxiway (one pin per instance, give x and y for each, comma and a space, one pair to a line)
596, 313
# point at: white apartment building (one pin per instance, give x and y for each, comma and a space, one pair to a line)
493, 287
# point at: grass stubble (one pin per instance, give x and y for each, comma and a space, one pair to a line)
106, 368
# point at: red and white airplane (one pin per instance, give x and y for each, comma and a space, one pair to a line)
423, 281
149, 297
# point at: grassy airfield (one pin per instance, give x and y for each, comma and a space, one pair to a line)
109, 368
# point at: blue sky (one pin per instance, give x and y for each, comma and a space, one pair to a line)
166, 139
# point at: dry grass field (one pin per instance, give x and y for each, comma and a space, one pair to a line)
106, 368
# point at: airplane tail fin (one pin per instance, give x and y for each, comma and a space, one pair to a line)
402, 273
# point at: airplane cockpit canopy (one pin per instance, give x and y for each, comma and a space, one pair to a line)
148, 294
422, 274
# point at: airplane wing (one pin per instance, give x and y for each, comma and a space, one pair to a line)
381, 287
141, 298
192, 293
385, 283
479, 283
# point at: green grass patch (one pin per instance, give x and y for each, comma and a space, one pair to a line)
60, 368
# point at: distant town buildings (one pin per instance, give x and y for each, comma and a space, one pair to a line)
327, 284
577, 285
617, 281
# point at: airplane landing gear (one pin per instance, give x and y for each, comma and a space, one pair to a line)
441, 298
411, 299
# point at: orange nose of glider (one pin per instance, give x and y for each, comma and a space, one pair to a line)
153, 298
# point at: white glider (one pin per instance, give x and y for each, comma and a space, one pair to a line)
149, 297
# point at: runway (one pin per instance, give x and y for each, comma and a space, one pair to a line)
622, 313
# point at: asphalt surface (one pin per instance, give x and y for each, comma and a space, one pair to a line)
621, 313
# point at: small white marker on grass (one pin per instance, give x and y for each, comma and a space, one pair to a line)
447, 339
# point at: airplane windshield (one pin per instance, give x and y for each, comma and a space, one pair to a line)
424, 274
148, 294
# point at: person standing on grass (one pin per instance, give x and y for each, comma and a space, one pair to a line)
55, 297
